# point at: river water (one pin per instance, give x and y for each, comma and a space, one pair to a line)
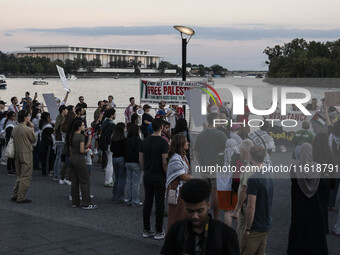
122, 89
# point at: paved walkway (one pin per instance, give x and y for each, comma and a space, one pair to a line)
50, 226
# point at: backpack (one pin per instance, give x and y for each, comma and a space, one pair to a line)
103, 141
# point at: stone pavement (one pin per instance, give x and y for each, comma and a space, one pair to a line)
50, 226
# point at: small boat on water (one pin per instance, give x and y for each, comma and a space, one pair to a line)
3, 83
40, 82
71, 77
209, 80
115, 77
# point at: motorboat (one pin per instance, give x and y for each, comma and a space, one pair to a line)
40, 82
3, 83
71, 77
208, 80
115, 77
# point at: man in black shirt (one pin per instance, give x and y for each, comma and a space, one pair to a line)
152, 158
83, 105
199, 234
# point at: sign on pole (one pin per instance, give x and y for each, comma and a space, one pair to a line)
63, 78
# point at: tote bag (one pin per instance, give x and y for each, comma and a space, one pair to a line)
9, 153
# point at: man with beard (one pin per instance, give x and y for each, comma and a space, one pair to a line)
199, 233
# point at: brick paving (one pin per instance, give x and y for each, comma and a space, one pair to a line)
50, 226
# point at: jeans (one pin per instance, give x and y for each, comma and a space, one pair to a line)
334, 192
57, 163
109, 167
297, 152
120, 179
133, 172
337, 224
151, 191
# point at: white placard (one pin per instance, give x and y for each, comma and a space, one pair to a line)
63, 78
51, 105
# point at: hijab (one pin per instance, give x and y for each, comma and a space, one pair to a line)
308, 182
231, 148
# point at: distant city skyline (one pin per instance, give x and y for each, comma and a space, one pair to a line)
233, 35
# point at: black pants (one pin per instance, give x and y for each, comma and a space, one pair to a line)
151, 191
47, 160
37, 155
10, 164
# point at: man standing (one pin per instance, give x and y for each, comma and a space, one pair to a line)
59, 103
209, 145
111, 103
59, 143
258, 220
82, 105
14, 107
152, 159
199, 233
24, 137
129, 111
97, 112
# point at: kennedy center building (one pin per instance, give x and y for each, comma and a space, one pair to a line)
105, 55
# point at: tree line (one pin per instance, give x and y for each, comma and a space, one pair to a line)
301, 59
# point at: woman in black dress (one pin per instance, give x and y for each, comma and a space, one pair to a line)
307, 230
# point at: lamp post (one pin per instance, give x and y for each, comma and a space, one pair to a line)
190, 32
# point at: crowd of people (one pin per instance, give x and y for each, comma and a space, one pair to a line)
158, 148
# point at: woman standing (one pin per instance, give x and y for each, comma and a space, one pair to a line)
133, 170
322, 155
182, 128
146, 120
35, 118
178, 172
9, 124
47, 143
307, 230
78, 170
117, 149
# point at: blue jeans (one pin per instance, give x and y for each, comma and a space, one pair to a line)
59, 146
337, 224
297, 152
120, 179
334, 192
133, 173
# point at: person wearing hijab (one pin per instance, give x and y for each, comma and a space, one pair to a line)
306, 233
226, 197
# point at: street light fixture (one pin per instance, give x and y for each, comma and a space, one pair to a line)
190, 32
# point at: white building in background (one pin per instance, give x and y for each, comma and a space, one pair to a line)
106, 55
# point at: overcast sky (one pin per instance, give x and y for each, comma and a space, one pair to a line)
233, 34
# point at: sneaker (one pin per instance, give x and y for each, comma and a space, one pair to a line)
283, 148
159, 236
273, 149
69, 183
148, 233
11, 173
55, 179
75, 206
61, 182
70, 197
137, 205
95, 152
109, 184
91, 196
89, 207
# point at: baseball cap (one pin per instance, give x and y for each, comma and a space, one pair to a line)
2, 102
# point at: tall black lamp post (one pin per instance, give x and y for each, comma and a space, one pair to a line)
189, 32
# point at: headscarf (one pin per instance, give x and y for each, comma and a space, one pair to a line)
308, 181
230, 149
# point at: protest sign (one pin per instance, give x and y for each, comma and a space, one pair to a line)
333, 98
63, 78
51, 105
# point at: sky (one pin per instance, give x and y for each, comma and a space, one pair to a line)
230, 33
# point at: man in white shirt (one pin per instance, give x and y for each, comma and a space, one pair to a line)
14, 107
111, 103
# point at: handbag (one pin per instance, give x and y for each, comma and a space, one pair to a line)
10, 150
172, 192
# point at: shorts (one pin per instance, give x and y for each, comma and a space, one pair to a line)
227, 200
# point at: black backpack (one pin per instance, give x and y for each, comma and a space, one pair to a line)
103, 141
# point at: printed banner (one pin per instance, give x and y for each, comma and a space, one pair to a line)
170, 91
333, 98
63, 78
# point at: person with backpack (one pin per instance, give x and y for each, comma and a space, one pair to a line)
104, 144
10, 124
59, 144
226, 195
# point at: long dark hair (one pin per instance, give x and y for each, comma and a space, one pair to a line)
75, 127
68, 121
44, 119
321, 151
9, 115
35, 113
3, 115
177, 146
133, 130
118, 132
181, 126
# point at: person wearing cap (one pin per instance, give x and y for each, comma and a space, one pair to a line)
2, 106
234, 133
111, 103
59, 103
146, 119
